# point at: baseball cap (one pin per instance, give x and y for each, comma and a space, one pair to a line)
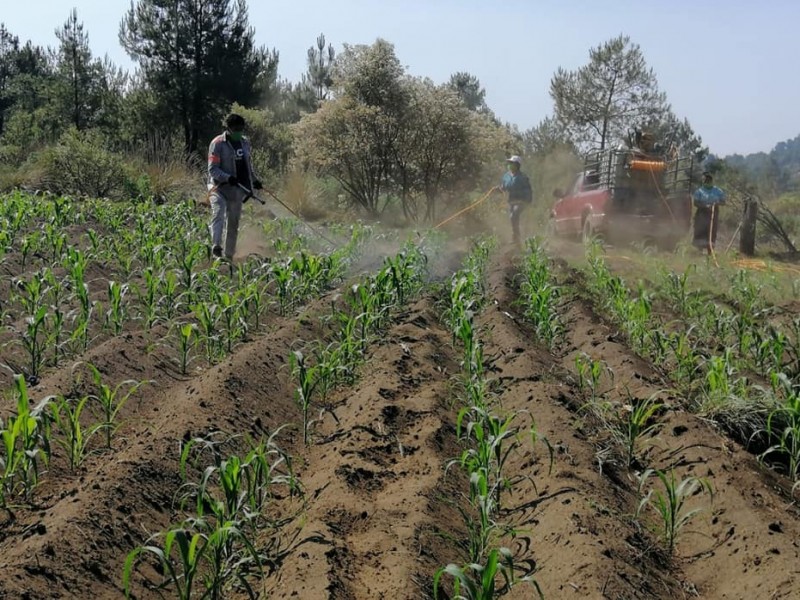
515, 159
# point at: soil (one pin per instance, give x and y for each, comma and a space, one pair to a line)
380, 508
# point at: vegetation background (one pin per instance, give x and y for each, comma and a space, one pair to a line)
357, 135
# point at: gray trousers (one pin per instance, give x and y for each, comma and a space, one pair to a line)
515, 211
226, 208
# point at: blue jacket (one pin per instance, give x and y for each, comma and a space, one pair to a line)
707, 197
518, 187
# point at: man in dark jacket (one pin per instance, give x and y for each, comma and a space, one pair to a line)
518, 188
229, 166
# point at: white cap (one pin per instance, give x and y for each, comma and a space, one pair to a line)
515, 159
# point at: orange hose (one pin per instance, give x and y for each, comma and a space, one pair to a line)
468, 208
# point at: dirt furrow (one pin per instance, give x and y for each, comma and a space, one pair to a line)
372, 471
88, 522
744, 544
573, 517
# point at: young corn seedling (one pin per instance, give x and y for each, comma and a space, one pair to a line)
25, 446
540, 296
590, 375
480, 581
171, 299
670, 504
118, 311
74, 437
189, 255
187, 339
679, 294
57, 297
208, 316
34, 341
230, 308
308, 379
111, 401
148, 298
191, 549
639, 423
283, 275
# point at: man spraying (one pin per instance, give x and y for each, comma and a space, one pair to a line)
517, 186
229, 170
707, 198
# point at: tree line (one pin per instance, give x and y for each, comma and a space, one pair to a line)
357, 118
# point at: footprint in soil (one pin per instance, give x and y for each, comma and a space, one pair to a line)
361, 479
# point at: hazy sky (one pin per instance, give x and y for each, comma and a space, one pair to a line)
729, 66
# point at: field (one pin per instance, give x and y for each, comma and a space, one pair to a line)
403, 415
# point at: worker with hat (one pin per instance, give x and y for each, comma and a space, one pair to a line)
518, 189
707, 198
230, 178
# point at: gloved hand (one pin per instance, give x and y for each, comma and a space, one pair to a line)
233, 181
257, 185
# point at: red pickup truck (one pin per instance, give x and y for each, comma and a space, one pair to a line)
627, 195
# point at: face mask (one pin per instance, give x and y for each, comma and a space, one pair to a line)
236, 136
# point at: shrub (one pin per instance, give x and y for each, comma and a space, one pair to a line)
81, 164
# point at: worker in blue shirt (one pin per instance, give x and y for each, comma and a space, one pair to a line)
517, 186
707, 199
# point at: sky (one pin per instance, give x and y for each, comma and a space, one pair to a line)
729, 66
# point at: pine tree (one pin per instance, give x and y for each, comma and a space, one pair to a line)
198, 58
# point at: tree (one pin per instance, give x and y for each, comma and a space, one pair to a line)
436, 147
351, 142
9, 47
548, 136
614, 92
199, 58
320, 68
469, 90
74, 69
373, 76
352, 138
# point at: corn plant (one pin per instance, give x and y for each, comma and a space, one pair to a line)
245, 485
678, 294
590, 374
56, 239
235, 324
194, 551
74, 437
479, 581
189, 254
670, 504
719, 380
25, 445
283, 275
687, 360
111, 400
639, 423
307, 376
208, 316
118, 311
148, 297
187, 339
540, 295
171, 299
56, 291
76, 265
783, 427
